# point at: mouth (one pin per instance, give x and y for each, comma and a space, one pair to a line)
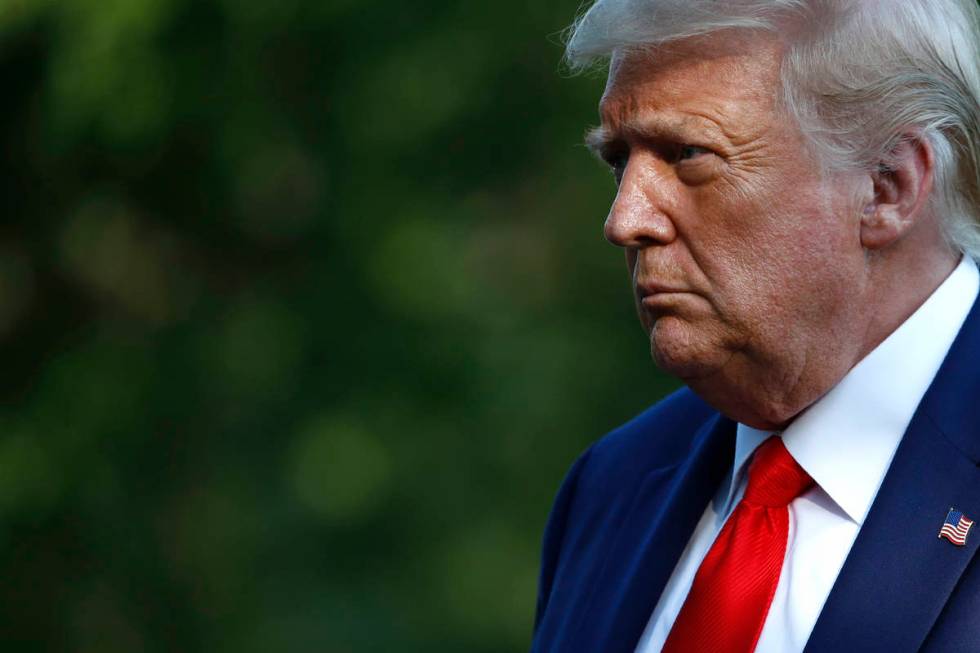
663, 300
647, 291
660, 299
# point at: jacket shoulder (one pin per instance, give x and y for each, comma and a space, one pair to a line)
589, 499
659, 437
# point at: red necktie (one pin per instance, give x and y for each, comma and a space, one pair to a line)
730, 597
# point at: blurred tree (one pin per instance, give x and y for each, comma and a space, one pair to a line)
304, 313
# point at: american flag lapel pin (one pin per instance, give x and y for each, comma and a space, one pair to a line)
956, 527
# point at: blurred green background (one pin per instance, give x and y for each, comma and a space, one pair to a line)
305, 311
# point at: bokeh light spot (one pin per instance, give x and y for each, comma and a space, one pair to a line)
338, 469
257, 348
107, 248
420, 269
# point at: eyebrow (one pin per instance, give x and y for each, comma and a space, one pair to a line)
598, 140
602, 140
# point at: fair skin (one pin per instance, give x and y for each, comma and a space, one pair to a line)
759, 283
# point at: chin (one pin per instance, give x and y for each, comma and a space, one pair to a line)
684, 351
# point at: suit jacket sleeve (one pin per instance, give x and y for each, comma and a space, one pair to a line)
554, 535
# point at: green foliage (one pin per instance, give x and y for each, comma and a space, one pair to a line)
305, 311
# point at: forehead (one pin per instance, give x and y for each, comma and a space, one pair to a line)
722, 80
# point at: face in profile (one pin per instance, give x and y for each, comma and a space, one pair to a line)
739, 251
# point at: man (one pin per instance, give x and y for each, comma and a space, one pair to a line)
798, 201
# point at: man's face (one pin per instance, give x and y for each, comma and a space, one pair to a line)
741, 257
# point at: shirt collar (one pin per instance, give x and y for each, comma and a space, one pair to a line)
847, 438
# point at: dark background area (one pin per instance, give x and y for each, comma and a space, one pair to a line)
305, 311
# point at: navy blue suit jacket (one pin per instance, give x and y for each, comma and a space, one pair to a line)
630, 503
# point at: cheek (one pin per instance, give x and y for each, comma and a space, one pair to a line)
773, 257
814, 285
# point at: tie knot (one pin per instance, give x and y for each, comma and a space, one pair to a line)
775, 478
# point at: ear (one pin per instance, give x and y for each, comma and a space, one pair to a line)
902, 185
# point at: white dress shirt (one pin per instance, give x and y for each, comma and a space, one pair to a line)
845, 441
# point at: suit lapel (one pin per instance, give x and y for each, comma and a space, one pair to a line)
899, 573
651, 540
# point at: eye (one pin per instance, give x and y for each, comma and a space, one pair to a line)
619, 167
688, 152
617, 162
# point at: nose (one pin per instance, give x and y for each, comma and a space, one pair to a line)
638, 216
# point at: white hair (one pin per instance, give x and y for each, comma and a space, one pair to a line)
859, 77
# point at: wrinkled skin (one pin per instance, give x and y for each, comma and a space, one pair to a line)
759, 283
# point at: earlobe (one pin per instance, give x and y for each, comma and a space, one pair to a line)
902, 186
